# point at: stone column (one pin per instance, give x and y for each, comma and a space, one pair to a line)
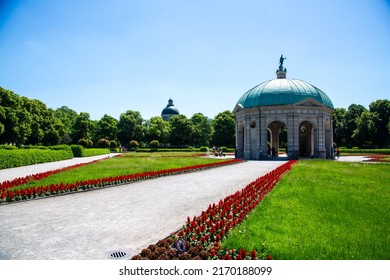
263, 152
293, 136
321, 137
247, 138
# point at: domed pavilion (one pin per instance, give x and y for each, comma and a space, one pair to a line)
169, 111
266, 111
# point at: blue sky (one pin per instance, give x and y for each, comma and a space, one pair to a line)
106, 57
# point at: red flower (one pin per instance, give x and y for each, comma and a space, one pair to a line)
253, 254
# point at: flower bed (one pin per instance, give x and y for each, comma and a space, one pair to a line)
7, 194
202, 235
378, 158
39, 176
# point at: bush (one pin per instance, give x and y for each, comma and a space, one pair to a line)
154, 144
21, 157
113, 144
104, 143
8, 147
134, 145
365, 151
80, 151
203, 149
86, 143
34, 147
95, 152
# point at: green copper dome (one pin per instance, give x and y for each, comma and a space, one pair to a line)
282, 91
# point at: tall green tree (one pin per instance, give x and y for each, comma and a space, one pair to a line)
182, 130
340, 131
351, 118
202, 130
130, 127
67, 118
2, 117
381, 108
107, 127
83, 127
366, 129
224, 126
15, 119
157, 129
45, 128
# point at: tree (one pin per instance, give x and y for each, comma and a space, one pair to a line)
202, 130
157, 129
45, 128
351, 118
2, 117
366, 129
340, 135
107, 127
224, 129
181, 131
67, 118
14, 118
83, 127
381, 108
130, 127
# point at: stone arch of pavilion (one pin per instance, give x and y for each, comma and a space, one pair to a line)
274, 128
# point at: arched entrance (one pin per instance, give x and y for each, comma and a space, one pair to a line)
276, 135
306, 139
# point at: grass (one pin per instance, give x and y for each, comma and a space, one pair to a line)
129, 163
322, 210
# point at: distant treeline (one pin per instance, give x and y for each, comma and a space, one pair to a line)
25, 121
359, 127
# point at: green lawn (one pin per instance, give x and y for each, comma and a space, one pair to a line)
322, 210
129, 163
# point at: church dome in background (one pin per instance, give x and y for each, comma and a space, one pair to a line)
169, 111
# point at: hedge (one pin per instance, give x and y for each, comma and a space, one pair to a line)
95, 152
202, 149
364, 151
80, 151
21, 157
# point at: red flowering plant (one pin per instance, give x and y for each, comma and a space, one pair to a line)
39, 176
212, 226
378, 158
7, 194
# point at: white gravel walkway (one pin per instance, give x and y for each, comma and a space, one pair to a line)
127, 218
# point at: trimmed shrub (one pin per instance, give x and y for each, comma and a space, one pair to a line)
80, 151
103, 143
21, 157
86, 143
8, 147
154, 144
77, 150
133, 145
113, 144
365, 151
95, 152
34, 147
203, 149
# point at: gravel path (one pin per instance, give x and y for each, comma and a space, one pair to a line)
128, 218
